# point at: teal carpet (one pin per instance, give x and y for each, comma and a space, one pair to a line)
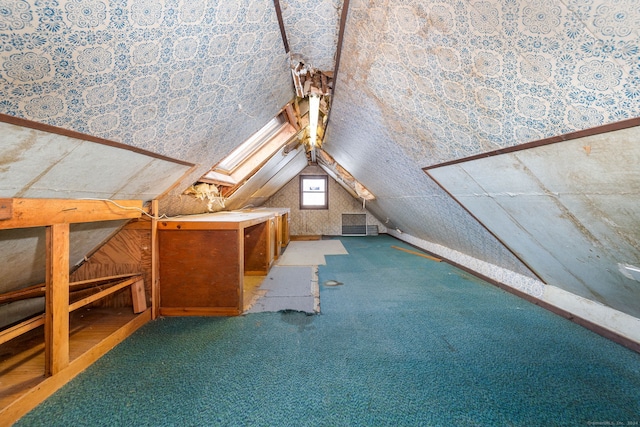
403, 342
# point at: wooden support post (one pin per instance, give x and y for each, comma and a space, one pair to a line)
57, 299
155, 266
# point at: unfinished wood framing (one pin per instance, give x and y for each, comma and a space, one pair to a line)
93, 333
134, 282
155, 298
39, 290
60, 362
56, 319
21, 328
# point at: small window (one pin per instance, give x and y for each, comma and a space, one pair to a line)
313, 192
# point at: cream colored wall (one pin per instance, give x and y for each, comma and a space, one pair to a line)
319, 222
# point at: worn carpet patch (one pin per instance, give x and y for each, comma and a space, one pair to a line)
288, 288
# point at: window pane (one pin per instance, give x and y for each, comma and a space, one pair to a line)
313, 184
313, 199
251, 145
313, 192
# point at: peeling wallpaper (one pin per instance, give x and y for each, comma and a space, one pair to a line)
312, 30
188, 79
426, 82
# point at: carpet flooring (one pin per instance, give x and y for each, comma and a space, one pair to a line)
404, 341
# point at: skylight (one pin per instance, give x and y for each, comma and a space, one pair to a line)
251, 145
249, 156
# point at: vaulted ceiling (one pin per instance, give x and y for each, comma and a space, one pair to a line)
417, 84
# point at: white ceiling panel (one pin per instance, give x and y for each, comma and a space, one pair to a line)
570, 209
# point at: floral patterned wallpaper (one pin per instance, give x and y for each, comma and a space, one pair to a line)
470, 76
420, 83
189, 79
312, 30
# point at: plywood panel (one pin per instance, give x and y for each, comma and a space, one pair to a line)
257, 251
129, 251
200, 268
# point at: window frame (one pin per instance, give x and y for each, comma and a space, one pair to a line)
250, 147
325, 206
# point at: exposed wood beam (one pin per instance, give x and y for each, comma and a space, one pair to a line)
43, 212
283, 33
291, 116
6, 208
99, 295
56, 324
138, 296
343, 23
155, 267
37, 394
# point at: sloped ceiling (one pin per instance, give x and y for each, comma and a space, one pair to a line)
39, 164
465, 77
311, 28
588, 189
419, 83
187, 79
422, 83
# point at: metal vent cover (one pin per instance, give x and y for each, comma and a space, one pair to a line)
354, 224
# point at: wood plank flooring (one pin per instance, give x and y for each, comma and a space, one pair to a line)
22, 359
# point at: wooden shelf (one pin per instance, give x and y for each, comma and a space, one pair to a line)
92, 332
40, 355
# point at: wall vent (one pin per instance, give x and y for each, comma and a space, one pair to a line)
354, 224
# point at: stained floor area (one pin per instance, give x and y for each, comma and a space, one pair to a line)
403, 341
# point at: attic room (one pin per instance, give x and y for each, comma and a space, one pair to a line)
452, 186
